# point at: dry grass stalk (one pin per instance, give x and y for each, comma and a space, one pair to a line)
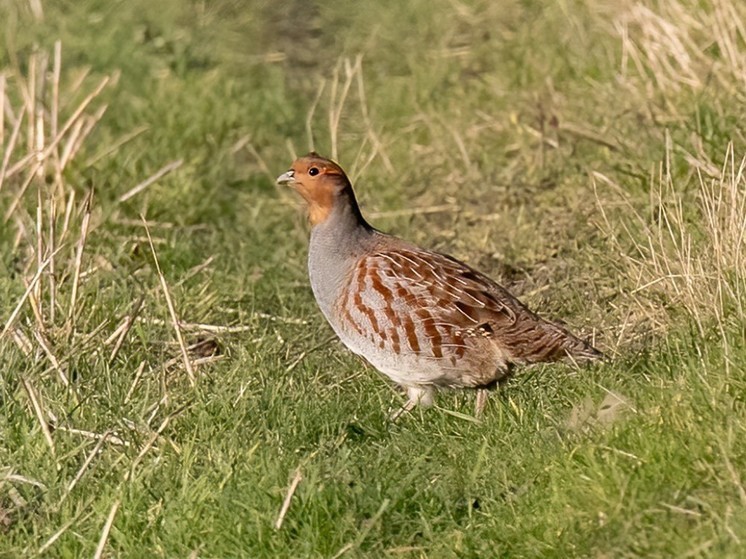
110, 437
34, 303
56, 70
195, 327
39, 412
38, 112
52, 208
114, 146
123, 330
151, 441
408, 212
54, 537
72, 140
338, 99
36, 9
195, 270
670, 47
309, 121
260, 161
76, 141
21, 193
2, 111
72, 120
172, 312
80, 247
195, 362
160, 224
135, 380
69, 207
39, 243
14, 314
378, 146
218, 329
42, 137
105, 531
154, 178
347, 73
78, 80
11, 146
50, 355
699, 262
29, 97
344, 549
8, 475
52, 246
81, 472
659, 48
288, 498
22, 341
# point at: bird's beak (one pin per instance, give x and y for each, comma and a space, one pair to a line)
286, 178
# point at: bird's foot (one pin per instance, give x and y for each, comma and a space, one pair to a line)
408, 406
417, 396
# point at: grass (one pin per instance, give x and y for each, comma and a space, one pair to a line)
168, 387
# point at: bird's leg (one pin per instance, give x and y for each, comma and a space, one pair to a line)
407, 407
418, 395
482, 395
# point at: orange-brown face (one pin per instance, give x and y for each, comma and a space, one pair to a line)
319, 181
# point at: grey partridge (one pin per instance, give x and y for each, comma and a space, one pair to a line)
424, 319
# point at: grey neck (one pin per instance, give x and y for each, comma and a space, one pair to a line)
335, 246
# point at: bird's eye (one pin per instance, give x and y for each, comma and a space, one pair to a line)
313, 171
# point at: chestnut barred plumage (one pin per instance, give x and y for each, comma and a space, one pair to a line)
424, 319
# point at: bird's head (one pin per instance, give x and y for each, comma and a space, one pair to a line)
321, 182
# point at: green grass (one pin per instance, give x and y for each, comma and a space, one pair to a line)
588, 157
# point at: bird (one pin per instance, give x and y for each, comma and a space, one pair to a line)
424, 319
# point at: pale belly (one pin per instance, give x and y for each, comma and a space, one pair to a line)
406, 368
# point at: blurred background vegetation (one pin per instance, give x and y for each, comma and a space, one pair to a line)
166, 381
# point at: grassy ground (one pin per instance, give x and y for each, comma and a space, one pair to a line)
586, 154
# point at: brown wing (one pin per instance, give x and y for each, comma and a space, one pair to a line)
429, 303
